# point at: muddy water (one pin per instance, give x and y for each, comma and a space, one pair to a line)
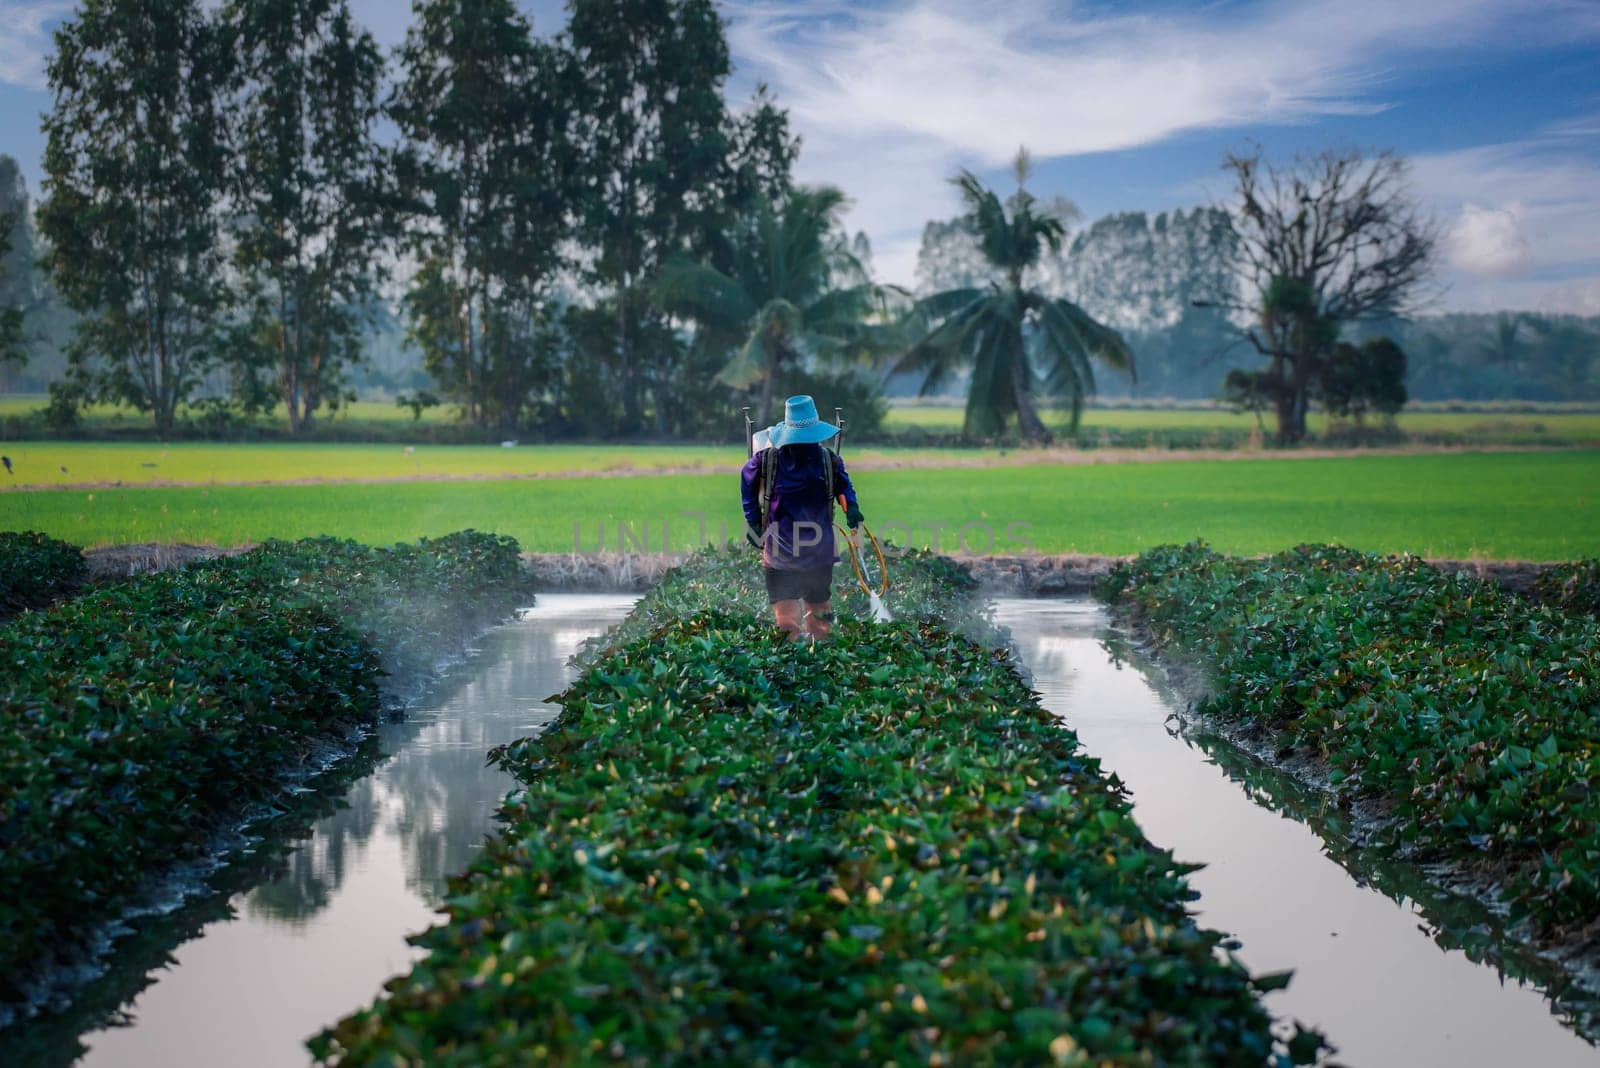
1382, 989
304, 949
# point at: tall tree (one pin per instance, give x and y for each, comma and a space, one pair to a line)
12, 350
795, 287
19, 287
654, 133
1324, 241
1018, 341
306, 179
762, 153
484, 166
134, 174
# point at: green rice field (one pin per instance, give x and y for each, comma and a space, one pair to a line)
61, 463
1531, 506
112, 416
1555, 427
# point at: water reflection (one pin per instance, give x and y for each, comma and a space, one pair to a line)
273, 964
319, 938
1380, 988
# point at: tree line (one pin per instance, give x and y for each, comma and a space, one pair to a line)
585, 239
231, 191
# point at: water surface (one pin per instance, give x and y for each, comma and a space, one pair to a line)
318, 942
1383, 991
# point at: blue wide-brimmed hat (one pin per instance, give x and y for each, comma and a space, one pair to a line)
800, 424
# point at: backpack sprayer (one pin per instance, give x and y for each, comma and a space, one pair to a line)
866, 554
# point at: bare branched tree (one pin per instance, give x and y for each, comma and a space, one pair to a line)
1326, 240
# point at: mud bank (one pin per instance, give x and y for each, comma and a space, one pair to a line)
1044, 576
1033, 575
125, 561
598, 572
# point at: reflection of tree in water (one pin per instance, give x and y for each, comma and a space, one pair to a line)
311, 872
306, 850
56, 1038
1050, 642
436, 795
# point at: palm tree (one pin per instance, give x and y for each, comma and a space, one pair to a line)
1017, 341
794, 288
1503, 347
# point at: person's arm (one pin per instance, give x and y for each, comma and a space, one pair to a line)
846, 489
747, 491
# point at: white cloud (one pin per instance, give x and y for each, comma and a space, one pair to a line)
25, 41
939, 83
1524, 208
1489, 242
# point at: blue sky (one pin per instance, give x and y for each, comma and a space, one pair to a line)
1132, 105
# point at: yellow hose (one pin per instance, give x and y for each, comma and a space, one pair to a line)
855, 559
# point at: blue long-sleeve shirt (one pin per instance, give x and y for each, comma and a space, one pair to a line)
799, 532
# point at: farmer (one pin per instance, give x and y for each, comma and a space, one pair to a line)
789, 491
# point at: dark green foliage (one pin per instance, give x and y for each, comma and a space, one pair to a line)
18, 284
144, 716
306, 176
33, 322
134, 177
1574, 587
1518, 355
485, 170
732, 851
1250, 391
36, 569
1465, 711
411, 603
1358, 379
659, 160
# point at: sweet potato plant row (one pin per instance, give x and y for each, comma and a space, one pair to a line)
1466, 713
878, 850
140, 718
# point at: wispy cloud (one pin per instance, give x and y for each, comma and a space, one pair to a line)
930, 84
891, 97
25, 27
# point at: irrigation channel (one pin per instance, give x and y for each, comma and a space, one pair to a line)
290, 955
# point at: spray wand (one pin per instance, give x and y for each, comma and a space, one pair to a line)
873, 580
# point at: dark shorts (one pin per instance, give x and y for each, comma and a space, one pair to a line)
813, 585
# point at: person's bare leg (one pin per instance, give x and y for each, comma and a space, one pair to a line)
819, 620
790, 618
